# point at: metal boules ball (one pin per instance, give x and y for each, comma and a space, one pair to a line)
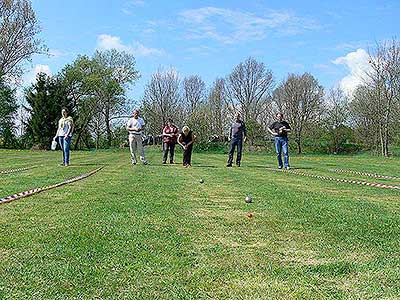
201, 180
248, 199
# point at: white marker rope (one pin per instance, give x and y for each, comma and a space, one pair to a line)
379, 185
38, 190
364, 174
16, 170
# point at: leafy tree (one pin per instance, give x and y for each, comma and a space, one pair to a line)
383, 81
19, 29
162, 100
249, 88
300, 98
97, 87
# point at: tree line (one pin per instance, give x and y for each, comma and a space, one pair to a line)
94, 89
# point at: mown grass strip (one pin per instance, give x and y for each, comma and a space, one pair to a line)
372, 184
38, 190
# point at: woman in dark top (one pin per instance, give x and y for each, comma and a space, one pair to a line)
186, 140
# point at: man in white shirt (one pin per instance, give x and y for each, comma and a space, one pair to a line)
135, 127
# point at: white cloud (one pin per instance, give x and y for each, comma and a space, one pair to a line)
31, 76
230, 26
55, 53
358, 63
108, 42
137, 2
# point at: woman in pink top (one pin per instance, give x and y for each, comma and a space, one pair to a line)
170, 135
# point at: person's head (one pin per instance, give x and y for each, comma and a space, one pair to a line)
170, 122
64, 112
279, 116
238, 117
185, 130
136, 113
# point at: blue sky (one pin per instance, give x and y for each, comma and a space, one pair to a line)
329, 39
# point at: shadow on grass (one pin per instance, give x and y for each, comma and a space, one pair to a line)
88, 164
276, 168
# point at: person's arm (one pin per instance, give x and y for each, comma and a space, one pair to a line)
272, 132
287, 128
166, 134
69, 129
244, 132
192, 141
58, 129
129, 128
142, 128
180, 141
230, 133
142, 125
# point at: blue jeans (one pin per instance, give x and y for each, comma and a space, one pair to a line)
282, 145
65, 143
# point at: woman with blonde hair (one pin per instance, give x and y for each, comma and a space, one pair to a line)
64, 135
186, 140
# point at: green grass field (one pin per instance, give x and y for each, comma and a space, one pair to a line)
156, 232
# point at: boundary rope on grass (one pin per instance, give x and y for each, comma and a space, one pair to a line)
379, 185
38, 190
364, 173
16, 170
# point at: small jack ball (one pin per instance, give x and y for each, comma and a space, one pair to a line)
249, 215
248, 199
201, 180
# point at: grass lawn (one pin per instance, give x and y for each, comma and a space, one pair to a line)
156, 232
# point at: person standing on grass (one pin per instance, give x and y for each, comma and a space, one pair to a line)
170, 133
237, 136
135, 127
64, 134
186, 140
279, 129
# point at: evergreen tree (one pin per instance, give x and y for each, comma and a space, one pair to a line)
46, 98
8, 107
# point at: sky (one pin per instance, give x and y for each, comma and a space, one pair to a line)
329, 39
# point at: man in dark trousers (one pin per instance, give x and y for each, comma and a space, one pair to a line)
237, 136
279, 129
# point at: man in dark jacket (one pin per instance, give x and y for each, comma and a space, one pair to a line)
237, 136
279, 129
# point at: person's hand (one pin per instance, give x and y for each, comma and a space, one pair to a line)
275, 134
245, 139
185, 147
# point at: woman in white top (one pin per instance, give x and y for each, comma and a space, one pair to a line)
64, 135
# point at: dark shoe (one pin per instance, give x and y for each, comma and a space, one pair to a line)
237, 164
229, 165
280, 167
164, 162
172, 162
